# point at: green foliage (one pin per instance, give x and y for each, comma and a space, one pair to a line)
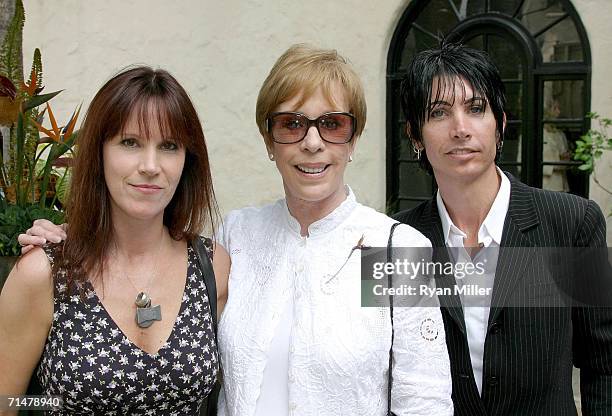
11, 57
592, 146
26, 191
15, 219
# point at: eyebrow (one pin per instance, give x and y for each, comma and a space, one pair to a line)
438, 102
446, 103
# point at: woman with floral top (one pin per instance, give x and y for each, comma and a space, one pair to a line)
117, 320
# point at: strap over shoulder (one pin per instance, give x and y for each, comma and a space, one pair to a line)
202, 247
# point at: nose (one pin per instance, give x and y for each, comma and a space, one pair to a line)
313, 141
149, 163
460, 126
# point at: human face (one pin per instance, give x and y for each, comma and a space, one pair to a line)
460, 134
312, 169
142, 173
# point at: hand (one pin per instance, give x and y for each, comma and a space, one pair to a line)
41, 232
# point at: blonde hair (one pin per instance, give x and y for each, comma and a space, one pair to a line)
303, 68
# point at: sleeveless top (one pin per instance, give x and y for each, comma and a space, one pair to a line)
96, 369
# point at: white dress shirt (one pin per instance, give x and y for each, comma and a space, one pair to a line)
489, 237
338, 351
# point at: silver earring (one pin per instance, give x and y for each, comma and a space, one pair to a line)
500, 142
271, 156
417, 151
350, 158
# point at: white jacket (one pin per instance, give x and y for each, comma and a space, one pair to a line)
339, 350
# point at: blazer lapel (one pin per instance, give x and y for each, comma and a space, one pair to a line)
433, 228
512, 261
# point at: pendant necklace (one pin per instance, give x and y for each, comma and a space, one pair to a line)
145, 313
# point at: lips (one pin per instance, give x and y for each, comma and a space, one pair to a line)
311, 169
146, 186
461, 151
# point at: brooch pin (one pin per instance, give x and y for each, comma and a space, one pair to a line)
329, 282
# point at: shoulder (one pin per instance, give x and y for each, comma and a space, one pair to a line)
552, 205
251, 215
403, 235
413, 216
241, 223
28, 290
33, 271
568, 219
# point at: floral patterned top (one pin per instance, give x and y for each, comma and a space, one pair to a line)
96, 369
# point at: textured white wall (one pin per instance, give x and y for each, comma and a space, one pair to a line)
595, 15
222, 51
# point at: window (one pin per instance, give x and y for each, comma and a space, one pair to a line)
543, 55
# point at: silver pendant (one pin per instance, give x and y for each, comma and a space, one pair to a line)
145, 313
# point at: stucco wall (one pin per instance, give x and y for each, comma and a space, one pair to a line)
595, 15
222, 51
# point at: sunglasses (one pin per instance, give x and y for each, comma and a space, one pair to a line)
292, 127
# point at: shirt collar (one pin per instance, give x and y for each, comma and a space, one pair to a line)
493, 224
327, 223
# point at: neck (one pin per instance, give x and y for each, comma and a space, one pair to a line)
308, 212
134, 238
469, 202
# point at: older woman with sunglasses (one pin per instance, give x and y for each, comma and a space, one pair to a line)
294, 337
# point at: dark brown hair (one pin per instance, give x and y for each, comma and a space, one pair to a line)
134, 91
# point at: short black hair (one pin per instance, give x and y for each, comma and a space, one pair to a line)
449, 63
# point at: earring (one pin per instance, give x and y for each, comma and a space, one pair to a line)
500, 142
417, 151
350, 158
271, 156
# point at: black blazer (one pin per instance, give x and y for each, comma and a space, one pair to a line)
529, 352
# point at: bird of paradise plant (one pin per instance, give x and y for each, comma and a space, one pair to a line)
32, 154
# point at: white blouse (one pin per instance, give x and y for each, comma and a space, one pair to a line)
338, 350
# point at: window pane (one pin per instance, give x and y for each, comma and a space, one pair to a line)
537, 14
476, 42
514, 100
507, 56
563, 99
414, 181
438, 17
512, 144
559, 42
559, 143
474, 6
554, 149
505, 6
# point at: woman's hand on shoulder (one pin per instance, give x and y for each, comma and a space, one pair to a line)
26, 314
221, 266
41, 231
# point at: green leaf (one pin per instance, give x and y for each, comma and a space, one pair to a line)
16, 220
38, 100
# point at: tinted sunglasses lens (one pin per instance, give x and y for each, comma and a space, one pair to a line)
288, 128
336, 128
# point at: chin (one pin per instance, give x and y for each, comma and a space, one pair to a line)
313, 194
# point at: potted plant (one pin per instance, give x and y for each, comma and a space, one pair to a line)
34, 169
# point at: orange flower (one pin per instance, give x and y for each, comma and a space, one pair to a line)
57, 134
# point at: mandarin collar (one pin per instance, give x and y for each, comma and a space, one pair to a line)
327, 223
